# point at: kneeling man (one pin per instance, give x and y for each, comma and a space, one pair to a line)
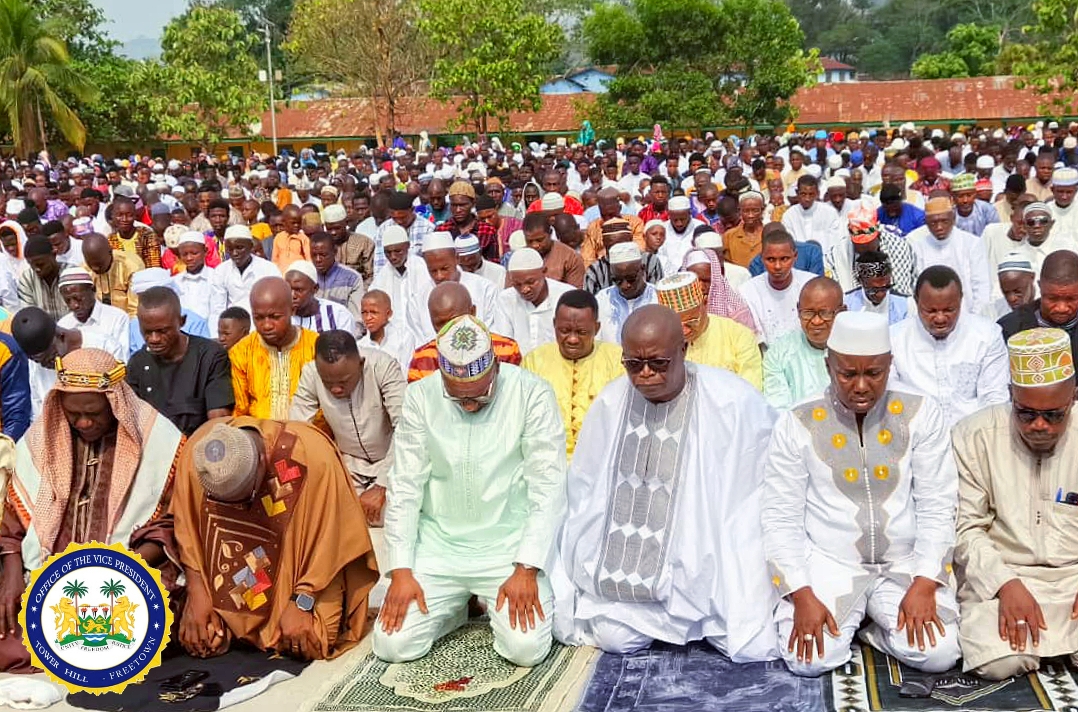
859, 498
272, 539
662, 540
1017, 551
475, 495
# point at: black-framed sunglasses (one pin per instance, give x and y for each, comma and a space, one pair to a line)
824, 314
484, 399
1029, 415
636, 365
1037, 222
879, 290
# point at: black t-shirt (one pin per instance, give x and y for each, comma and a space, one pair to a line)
184, 391
1025, 317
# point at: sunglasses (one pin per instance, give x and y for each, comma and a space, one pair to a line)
1037, 222
1029, 415
636, 365
478, 400
824, 314
878, 290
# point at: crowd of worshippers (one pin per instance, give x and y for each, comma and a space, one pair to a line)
768, 393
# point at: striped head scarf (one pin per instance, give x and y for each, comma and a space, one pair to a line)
722, 299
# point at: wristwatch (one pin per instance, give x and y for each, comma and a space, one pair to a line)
303, 601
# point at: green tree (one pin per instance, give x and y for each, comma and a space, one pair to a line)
35, 68
81, 25
971, 52
386, 67
112, 589
1048, 64
74, 589
123, 111
495, 66
206, 84
697, 63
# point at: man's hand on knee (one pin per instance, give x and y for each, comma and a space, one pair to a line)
403, 589
810, 617
918, 615
521, 590
1020, 615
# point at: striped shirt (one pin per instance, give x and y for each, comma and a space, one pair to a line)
143, 243
425, 358
597, 278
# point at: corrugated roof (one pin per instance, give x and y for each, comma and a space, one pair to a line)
832, 63
978, 99
984, 99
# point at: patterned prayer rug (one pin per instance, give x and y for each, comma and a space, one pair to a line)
462, 673
696, 678
875, 681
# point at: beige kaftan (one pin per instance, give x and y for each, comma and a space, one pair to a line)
1010, 525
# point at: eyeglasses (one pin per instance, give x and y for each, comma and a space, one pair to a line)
824, 314
618, 281
879, 290
692, 323
484, 399
1038, 222
1029, 415
636, 365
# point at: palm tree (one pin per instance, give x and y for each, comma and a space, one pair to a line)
112, 589
74, 589
34, 68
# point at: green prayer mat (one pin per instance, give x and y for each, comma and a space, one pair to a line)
872, 681
462, 672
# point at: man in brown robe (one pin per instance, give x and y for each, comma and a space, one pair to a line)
97, 465
272, 539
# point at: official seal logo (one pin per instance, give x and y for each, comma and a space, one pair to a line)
95, 618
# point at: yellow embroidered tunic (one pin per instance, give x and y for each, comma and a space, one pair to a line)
264, 378
575, 383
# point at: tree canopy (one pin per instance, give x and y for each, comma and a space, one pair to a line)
696, 63
492, 57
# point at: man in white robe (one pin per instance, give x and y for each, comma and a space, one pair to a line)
852, 531
813, 221
530, 299
1064, 210
392, 277
440, 256
679, 234
956, 357
939, 242
667, 546
1017, 543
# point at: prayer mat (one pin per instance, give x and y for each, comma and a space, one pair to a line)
696, 678
873, 680
186, 684
462, 673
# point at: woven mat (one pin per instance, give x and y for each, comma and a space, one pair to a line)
873, 680
461, 673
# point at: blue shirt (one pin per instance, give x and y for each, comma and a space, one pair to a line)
908, 220
809, 259
897, 305
195, 326
15, 404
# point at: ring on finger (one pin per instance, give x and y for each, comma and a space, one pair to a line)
1020, 622
808, 638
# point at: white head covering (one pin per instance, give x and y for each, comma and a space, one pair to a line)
678, 202
151, 277
835, 182
1064, 177
696, 257
517, 240
653, 223
334, 213
624, 252
552, 201
860, 334
189, 237
709, 240
394, 235
438, 241
1015, 262
226, 463
525, 259
467, 245
985, 162
307, 269
238, 232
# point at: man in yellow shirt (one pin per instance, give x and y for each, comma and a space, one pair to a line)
713, 340
575, 364
111, 271
266, 364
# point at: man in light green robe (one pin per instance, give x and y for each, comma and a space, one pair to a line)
1017, 530
793, 363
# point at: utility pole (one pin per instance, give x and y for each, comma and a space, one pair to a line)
269, 77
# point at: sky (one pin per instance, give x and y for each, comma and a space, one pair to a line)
130, 19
